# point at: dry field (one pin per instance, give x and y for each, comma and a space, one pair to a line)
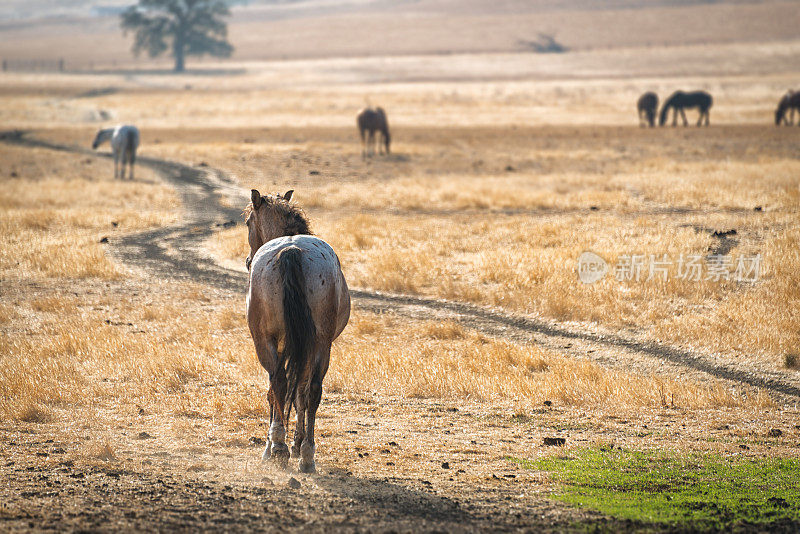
127, 396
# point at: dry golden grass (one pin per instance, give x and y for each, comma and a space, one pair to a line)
182, 339
7, 313
515, 244
198, 362
57, 207
443, 360
253, 104
79, 355
228, 247
443, 217
487, 198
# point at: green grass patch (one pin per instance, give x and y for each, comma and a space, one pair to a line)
697, 491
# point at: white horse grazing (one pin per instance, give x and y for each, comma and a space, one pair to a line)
124, 142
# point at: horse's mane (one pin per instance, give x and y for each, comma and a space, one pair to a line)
294, 218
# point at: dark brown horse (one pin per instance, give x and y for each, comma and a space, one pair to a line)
647, 106
789, 102
679, 100
369, 121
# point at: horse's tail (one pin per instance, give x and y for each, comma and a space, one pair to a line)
300, 330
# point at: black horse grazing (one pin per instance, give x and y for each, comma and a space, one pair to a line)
647, 106
789, 102
680, 100
369, 121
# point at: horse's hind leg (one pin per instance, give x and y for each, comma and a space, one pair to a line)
300, 428
267, 352
308, 448
131, 163
371, 143
278, 450
267, 454
125, 160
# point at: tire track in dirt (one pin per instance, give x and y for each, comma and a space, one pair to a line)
174, 252
171, 251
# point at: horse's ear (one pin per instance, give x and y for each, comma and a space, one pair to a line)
287, 196
255, 196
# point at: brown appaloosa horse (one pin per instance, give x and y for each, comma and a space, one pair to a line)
369, 121
298, 300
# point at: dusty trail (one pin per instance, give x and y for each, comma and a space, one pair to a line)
174, 252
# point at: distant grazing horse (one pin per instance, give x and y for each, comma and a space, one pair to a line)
789, 102
298, 298
647, 106
124, 142
369, 121
680, 100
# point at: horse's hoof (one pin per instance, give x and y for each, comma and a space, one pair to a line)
308, 467
280, 454
295, 451
266, 455
281, 460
